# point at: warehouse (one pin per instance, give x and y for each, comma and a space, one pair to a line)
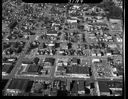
77, 70
17, 85
33, 69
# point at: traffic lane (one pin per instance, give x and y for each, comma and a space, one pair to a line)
53, 78
68, 56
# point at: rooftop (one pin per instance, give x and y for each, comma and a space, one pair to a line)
105, 85
80, 85
50, 60
33, 68
78, 70
20, 84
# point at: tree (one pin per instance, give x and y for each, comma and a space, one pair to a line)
36, 60
115, 12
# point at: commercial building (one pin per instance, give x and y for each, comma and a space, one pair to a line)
108, 87
17, 86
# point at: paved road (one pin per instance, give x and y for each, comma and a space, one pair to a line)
12, 74
23, 54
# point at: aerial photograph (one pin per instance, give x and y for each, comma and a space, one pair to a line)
62, 49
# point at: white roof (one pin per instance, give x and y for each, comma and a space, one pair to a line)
52, 34
24, 64
95, 60
114, 69
51, 44
76, 6
115, 20
93, 54
109, 54
119, 39
71, 21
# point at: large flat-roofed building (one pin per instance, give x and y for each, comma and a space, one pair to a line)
108, 87
33, 69
17, 86
77, 70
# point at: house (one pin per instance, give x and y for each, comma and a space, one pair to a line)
115, 20
119, 40
64, 46
109, 54
100, 21
50, 60
98, 54
51, 44
81, 89
12, 59
95, 60
7, 63
93, 54
112, 45
75, 61
71, 21
27, 61
60, 68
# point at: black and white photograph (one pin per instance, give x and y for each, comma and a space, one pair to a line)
68, 48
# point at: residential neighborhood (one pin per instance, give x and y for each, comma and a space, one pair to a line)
52, 49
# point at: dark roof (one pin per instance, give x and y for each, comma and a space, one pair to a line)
114, 84
20, 84
87, 90
7, 68
105, 85
3, 83
62, 93
92, 85
30, 83
74, 60
74, 87
27, 62
60, 68
78, 70
33, 68
50, 60
80, 85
